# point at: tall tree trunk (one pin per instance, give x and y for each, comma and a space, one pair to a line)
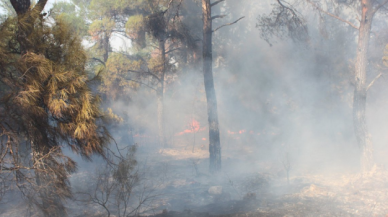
160, 94
360, 91
105, 44
214, 133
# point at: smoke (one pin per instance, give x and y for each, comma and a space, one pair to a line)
285, 104
291, 97
289, 102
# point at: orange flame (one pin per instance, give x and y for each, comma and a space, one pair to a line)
239, 132
230, 132
193, 127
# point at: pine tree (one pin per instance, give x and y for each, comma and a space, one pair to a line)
159, 29
46, 104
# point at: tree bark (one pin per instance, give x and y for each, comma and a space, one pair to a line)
160, 94
105, 44
360, 91
21, 6
214, 133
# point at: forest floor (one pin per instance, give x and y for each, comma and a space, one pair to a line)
193, 192
179, 186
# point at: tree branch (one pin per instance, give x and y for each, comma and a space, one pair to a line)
147, 72
14, 168
332, 15
218, 16
216, 3
374, 80
379, 6
98, 60
169, 4
142, 72
229, 24
139, 82
172, 50
38, 8
290, 9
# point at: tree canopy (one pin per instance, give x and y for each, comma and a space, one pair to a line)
46, 105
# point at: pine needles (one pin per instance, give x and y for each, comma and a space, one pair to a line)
45, 104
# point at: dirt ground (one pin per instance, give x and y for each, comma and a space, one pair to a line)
267, 193
349, 196
178, 182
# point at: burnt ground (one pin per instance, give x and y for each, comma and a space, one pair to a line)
179, 186
349, 195
183, 185
266, 192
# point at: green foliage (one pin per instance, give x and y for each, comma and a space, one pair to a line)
155, 63
134, 25
145, 23
50, 82
105, 25
76, 15
102, 8
117, 78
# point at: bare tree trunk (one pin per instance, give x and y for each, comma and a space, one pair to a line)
160, 116
360, 91
214, 133
105, 44
160, 95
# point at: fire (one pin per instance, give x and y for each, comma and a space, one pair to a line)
239, 132
193, 127
230, 132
